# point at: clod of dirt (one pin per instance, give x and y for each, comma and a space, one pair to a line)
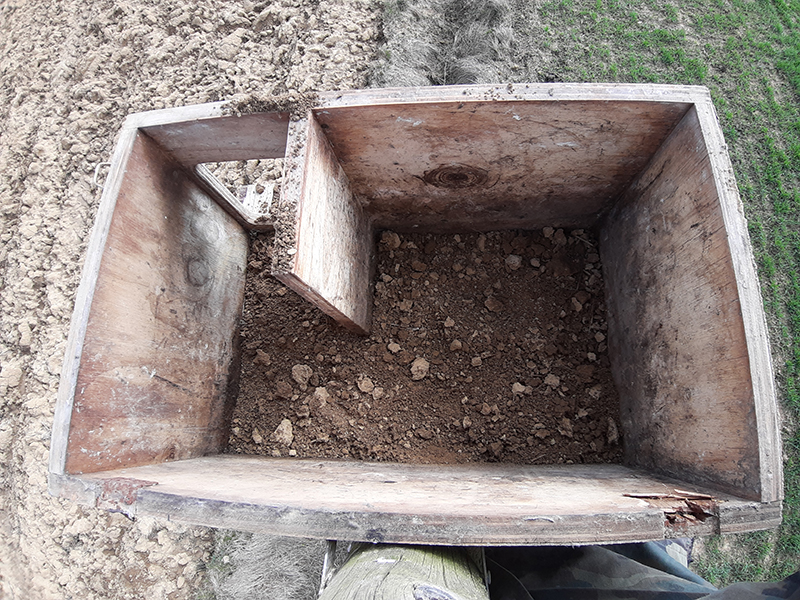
302, 373
493, 304
365, 384
283, 433
390, 239
419, 368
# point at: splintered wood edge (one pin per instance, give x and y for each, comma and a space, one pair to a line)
83, 300
751, 303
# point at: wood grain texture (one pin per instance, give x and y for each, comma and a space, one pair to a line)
389, 572
677, 342
83, 300
192, 139
510, 164
332, 239
542, 92
512, 159
748, 287
159, 358
421, 504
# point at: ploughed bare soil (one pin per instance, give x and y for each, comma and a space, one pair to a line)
484, 347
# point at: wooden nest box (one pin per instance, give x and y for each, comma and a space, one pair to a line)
152, 358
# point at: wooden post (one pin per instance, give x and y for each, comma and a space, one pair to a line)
395, 572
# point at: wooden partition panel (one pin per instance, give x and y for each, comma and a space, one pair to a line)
157, 368
679, 352
324, 242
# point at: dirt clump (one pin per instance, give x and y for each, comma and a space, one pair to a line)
484, 347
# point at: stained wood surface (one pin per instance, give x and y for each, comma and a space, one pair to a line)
767, 414
83, 300
677, 342
200, 139
474, 164
385, 572
158, 362
330, 235
423, 504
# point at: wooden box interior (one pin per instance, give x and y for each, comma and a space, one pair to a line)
150, 371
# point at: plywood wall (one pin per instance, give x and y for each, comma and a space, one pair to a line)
482, 165
158, 368
676, 336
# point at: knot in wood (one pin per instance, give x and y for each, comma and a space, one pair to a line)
456, 176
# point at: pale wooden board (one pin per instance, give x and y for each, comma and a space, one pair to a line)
676, 338
455, 504
331, 236
551, 92
158, 355
755, 325
536, 162
222, 138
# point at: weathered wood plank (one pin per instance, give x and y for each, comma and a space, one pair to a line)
83, 300
547, 92
677, 343
221, 138
485, 165
324, 239
752, 313
422, 504
420, 572
159, 357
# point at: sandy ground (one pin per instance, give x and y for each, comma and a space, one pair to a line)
70, 72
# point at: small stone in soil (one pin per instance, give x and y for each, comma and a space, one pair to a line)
552, 380
283, 433
365, 385
419, 368
301, 374
391, 239
283, 389
257, 436
513, 261
493, 304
